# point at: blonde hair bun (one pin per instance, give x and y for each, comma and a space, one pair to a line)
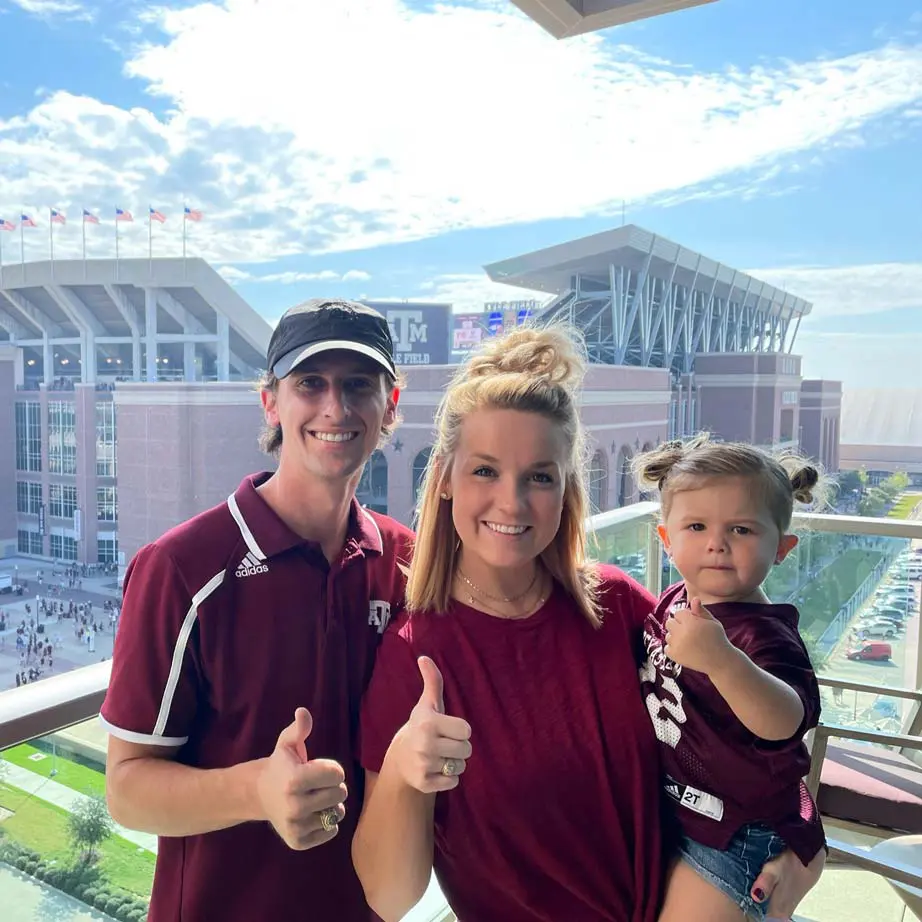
552, 353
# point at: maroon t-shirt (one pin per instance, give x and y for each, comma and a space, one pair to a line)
721, 776
557, 816
230, 622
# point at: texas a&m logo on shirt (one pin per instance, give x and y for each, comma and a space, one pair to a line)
379, 613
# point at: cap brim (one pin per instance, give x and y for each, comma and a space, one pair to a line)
288, 362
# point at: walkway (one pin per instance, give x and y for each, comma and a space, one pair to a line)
54, 793
26, 899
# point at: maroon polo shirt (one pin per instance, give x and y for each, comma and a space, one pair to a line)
557, 816
230, 622
720, 776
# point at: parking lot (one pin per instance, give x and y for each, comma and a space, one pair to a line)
852, 709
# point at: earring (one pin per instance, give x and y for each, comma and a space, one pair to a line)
444, 496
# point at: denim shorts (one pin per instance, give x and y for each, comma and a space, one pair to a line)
735, 869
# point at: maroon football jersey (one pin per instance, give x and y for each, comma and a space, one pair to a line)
230, 622
557, 816
719, 775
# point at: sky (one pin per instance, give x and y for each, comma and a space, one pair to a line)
391, 149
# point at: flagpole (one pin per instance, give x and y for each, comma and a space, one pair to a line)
116, 247
150, 243
83, 222
51, 238
22, 253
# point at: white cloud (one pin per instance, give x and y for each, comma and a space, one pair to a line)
468, 293
460, 114
845, 290
234, 275
47, 8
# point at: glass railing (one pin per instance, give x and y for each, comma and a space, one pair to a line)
845, 575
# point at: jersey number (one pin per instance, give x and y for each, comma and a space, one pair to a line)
667, 728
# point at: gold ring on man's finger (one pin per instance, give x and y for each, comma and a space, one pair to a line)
329, 819
451, 767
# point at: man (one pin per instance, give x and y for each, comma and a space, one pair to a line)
246, 640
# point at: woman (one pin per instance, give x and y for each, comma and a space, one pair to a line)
504, 736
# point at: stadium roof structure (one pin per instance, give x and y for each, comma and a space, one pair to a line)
136, 312
883, 417
564, 18
643, 300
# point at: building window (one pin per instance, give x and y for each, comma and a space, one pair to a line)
62, 500
28, 497
29, 542
62, 437
789, 398
106, 550
28, 436
105, 439
106, 504
63, 547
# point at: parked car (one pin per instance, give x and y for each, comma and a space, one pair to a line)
885, 631
871, 651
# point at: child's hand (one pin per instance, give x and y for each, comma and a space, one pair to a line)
697, 640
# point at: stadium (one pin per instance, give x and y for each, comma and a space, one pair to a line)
158, 357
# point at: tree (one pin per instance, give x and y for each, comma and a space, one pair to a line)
89, 825
874, 502
851, 482
895, 484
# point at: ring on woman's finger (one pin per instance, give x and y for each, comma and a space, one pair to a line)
329, 819
451, 767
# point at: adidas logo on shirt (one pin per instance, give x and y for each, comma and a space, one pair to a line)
251, 565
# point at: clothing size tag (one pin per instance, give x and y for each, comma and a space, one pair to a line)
699, 801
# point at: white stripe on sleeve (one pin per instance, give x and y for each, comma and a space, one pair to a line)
179, 651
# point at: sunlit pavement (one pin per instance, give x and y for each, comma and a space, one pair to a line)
26, 899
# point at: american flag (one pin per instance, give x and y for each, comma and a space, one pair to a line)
192, 214
158, 216
26, 221
90, 218
121, 215
7, 225
58, 217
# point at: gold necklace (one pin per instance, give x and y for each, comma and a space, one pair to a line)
498, 598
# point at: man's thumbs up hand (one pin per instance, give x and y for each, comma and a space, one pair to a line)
430, 751
302, 798
293, 739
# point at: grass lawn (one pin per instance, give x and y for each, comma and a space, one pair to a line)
43, 827
821, 600
70, 774
904, 505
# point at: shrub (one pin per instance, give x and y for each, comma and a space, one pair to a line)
88, 894
30, 866
102, 899
56, 877
113, 905
136, 915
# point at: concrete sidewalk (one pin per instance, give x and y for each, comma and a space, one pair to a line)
52, 792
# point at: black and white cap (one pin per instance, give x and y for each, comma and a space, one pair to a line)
320, 325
